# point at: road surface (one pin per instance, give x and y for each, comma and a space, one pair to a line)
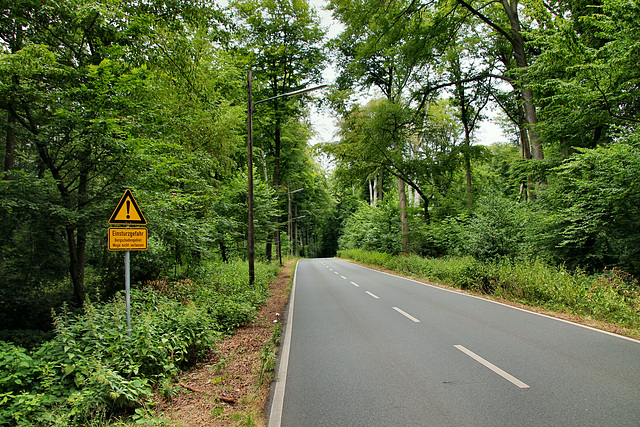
365, 348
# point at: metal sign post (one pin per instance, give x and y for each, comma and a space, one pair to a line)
127, 288
127, 239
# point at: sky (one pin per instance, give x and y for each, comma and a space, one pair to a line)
324, 123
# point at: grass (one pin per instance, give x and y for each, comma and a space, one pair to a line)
612, 296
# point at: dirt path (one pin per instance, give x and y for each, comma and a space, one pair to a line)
227, 388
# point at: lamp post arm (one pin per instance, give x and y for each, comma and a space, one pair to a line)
295, 191
289, 94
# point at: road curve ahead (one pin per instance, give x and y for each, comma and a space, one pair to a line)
365, 348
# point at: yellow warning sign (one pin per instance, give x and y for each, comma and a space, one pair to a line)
127, 211
128, 239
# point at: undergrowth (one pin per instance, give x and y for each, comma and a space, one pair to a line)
91, 370
612, 296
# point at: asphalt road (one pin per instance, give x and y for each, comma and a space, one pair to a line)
364, 348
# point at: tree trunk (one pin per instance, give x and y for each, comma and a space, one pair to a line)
295, 232
467, 124
371, 193
10, 146
525, 152
467, 171
264, 166
520, 55
404, 218
276, 235
76, 234
289, 224
223, 250
276, 177
77, 243
76, 262
9, 155
514, 37
269, 248
427, 215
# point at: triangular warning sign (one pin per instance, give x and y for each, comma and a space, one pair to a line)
127, 211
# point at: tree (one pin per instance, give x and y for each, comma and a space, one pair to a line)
515, 38
12, 38
76, 86
469, 100
375, 51
382, 135
586, 74
374, 228
283, 39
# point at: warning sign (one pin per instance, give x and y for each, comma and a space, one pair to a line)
128, 239
127, 211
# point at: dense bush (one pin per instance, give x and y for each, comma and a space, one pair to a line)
91, 368
596, 195
612, 296
373, 228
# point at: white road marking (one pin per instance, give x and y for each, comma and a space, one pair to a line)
491, 366
336, 272
344, 277
355, 284
373, 295
459, 292
407, 315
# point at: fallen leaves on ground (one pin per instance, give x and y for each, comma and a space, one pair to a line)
226, 389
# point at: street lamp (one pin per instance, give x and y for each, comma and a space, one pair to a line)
251, 251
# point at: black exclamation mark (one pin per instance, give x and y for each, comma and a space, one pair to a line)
128, 206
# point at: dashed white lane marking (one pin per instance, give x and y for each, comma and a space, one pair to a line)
407, 315
491, 366
344, 277
335, 272
373, 295
355, 284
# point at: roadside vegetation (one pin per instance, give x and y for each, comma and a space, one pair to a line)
90, 371
611, 296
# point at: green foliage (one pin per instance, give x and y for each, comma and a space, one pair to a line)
494, 230
92, 369
17, 368
579, 61
373, 228
98, 95
611, 296
89, 93
439, 238
596, 199
392, 139
586, 71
